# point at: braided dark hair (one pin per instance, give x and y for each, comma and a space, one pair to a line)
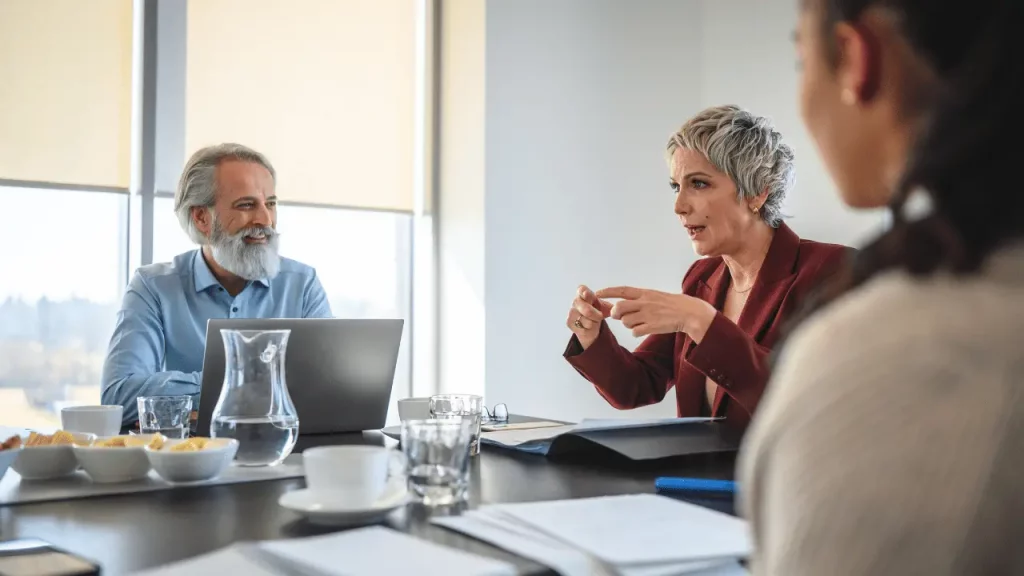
967, 152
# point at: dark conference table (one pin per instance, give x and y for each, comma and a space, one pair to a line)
130, 532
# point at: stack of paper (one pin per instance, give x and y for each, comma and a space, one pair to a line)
370, 551
635, 535
538, 440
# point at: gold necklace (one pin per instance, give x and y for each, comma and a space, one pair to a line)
751, 287
756, 272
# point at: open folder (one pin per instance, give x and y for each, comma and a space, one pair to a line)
629, 438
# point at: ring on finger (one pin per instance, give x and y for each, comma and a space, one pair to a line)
579, 323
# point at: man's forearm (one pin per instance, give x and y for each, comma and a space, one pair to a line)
125, 390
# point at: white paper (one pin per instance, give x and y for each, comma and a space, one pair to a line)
637, 528
379, 551
499, 426
620, 423
517, 437
561, 558
231, 560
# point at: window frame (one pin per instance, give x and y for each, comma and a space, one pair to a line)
157, 145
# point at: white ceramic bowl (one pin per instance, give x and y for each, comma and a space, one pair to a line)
179, 467
45, 462
107, 465
6, 458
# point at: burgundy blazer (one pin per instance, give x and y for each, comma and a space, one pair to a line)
734, 355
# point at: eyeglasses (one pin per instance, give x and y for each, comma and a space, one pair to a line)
497, 414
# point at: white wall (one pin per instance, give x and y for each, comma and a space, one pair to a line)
580, 97
748, 58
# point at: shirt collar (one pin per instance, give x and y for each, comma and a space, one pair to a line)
203, 277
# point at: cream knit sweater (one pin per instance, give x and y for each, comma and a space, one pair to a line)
891, 438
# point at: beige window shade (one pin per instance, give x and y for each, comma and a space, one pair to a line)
324, 88
66, 91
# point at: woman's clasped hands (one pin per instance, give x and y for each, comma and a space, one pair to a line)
642, 310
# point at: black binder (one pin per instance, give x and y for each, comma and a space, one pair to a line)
688, 437
637, 443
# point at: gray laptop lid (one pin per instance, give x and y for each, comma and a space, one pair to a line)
339, 371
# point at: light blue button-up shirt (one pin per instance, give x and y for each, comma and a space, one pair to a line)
160, 337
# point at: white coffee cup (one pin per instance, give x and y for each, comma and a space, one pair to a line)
99, 420
414, 409
352, 476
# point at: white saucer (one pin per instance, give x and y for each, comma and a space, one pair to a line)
320, 510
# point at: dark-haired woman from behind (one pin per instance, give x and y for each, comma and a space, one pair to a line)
891, 439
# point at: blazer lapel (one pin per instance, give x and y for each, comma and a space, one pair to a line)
770, 287
712, 291
773, 280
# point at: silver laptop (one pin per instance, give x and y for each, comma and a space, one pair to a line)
339, 371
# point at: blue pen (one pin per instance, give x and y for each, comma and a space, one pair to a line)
696, 486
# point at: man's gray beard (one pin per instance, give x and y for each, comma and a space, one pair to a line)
249, 261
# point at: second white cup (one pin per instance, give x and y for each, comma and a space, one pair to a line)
414, 409
353, 476
102, 420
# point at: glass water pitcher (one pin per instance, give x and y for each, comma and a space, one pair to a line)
254, 406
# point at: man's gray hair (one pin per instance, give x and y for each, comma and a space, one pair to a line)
198, 184
745, 147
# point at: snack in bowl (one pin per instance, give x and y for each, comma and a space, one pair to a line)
193, 459
194, 445
8, 452
58, 438
46, 456
117, 458
12, 443
154, 441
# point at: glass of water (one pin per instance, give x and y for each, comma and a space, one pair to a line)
167, 415
437, 459
445, 406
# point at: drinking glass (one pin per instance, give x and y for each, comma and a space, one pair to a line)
167, 415
437, 459
457, 406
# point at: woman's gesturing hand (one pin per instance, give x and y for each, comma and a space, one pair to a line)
653, 312
586, 314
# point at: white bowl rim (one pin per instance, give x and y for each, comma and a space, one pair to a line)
228, 442
345, 448
93, 447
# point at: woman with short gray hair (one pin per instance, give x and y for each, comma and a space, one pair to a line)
729, 173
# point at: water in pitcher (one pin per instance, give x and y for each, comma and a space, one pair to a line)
254, 406
262, 441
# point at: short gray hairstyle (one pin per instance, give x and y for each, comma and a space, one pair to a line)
198, 184
745, 147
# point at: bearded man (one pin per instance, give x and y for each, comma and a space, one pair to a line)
227, 204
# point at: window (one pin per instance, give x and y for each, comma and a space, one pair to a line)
349, 101
60, 290
169, 239
327, 91
361, 257
65, 107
